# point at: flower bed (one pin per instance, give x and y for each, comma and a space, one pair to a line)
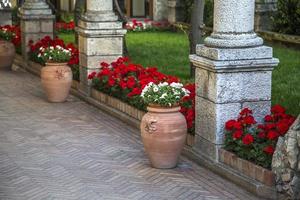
256, 142
147, 25
12, 34
125, 81
37, 50
65, 27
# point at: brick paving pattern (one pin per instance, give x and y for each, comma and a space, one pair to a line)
75, 151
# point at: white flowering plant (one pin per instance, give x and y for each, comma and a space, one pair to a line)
164, 94
54, 54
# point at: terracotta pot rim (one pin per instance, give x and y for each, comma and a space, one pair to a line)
161, 109
55, 63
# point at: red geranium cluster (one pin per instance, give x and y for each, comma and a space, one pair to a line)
65, 27
146, 25
125, 81
257, 142
12, 34
47, 41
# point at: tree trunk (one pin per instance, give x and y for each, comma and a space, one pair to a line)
195, 34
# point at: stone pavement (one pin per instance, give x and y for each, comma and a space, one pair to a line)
75, 151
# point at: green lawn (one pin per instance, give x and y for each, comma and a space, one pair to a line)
169, 52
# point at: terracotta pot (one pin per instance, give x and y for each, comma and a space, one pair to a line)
164, 132
7, 54
57, 81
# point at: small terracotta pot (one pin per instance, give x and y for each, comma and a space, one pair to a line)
164, 132
7, 54
57, 81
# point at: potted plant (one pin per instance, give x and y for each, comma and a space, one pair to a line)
163, 127
9, 37
56, 76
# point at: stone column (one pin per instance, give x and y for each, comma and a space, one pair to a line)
263, 12
100, 38
5, 13
233, 71
37, 21
175, 11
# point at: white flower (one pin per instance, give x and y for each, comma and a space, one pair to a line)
186, 92
163, 84
163, 95
155, 88
176, 85
40, 55
50, 58
51, 48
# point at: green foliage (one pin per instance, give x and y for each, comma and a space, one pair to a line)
287, 18
209, 13
54, 54
188, 8
66, 17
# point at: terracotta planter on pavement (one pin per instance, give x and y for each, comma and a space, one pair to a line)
164, 132
7, 54
57, 81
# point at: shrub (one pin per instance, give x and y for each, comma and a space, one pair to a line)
257, 142
287, 18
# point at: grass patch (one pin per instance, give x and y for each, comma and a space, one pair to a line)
286, 79
166, 50
67, 37
169, 52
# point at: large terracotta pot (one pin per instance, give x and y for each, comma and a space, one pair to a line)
164, 132
7, 54
57, 81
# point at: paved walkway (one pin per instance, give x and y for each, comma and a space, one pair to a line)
75, 151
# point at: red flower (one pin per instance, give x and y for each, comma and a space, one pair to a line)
134, 92
268, 118
277, 109
249, 120
237, 134
111, 81
104, 64
230, 125
92, 75
261, 135
123, 84
237, 125
246, 111
131, 82
269, 150
282, 127
248, 139
272, 135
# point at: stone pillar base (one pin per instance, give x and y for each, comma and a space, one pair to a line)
228, 80
5, 17
37, 22
98, 42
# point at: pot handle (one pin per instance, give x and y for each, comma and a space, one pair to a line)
150, 126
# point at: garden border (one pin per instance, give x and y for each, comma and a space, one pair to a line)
114, 107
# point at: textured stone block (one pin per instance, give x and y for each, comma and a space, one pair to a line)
233, 87
94, 61
211, 118
260, 109
206, 148
101, 46
31, 26
47, 26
